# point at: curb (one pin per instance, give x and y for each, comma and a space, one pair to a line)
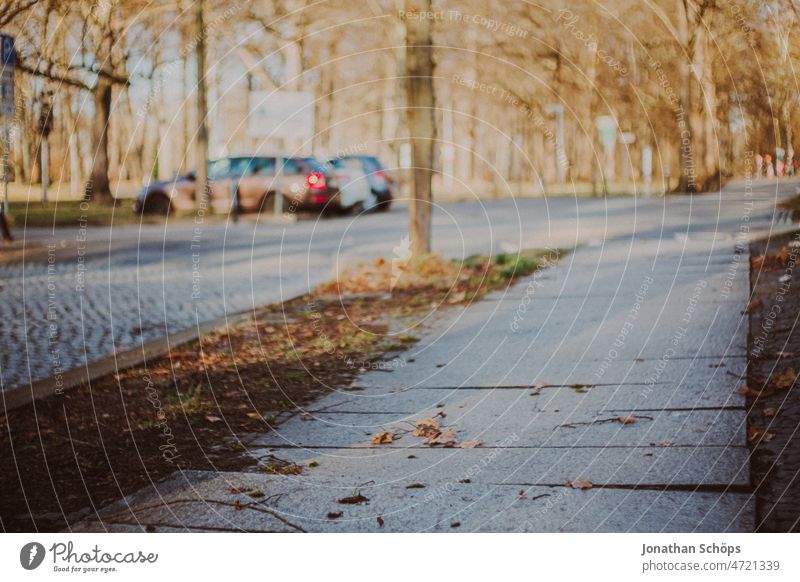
19, 396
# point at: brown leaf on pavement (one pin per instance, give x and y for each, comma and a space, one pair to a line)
747, 391
353, 499
751, 306
470, 444
446, 438
380, 521
580, 483
427, 427
630, 419
756, 434
213, 419
665, 443
784, 379
382, 438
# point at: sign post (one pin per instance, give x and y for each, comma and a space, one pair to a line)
8, 62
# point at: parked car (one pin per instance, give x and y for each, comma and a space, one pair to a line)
249, 182
380, 183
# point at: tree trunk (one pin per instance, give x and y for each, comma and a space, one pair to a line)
99, 188
421, 124
201, 184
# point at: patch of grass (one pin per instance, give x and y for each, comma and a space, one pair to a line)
74, 213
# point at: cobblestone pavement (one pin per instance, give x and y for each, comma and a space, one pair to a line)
89, 291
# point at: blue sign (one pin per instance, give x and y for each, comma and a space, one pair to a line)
8, 60
8, 57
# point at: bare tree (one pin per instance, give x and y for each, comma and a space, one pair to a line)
420, 119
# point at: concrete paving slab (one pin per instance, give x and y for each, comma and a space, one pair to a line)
208, 501
522, 423
673, 466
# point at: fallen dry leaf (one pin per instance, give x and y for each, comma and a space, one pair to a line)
747, 391
213, 419
630, 419
785, 354
353, 499
665, 443
427, 427
382, 438
470, 444
784, 379
254, 415
756, 434
446, 438
380, 521
751, 306
580, 483
770, 412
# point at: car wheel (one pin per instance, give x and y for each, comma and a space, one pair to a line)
384, 203
156, 204
267, 204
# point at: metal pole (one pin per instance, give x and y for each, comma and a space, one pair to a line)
6, 147
278, 186
45, 169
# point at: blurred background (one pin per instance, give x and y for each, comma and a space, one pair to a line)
532, 98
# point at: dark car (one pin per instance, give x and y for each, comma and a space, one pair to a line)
379, 180
251, 183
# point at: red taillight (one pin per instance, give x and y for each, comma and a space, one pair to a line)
316, 181
380, 174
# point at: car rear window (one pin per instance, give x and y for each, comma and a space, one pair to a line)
310, 165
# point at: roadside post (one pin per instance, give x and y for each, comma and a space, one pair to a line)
647, 169
278, 210
7, 58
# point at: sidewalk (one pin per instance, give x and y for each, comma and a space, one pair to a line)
615, 371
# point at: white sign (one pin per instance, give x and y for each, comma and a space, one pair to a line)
607, 130
281, 114
8, 63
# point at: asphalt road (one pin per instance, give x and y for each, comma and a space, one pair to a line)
86, 292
